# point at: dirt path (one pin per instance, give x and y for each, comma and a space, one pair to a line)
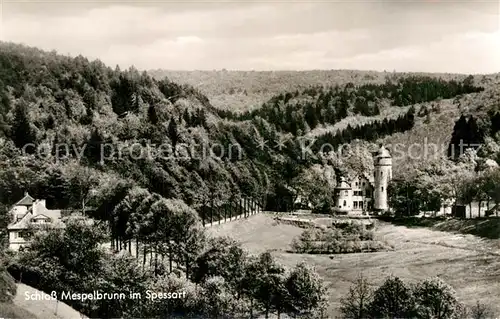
43, 309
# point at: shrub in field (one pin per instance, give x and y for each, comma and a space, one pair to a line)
481, 311
393, 299
305, 288
373, 246
342, 237
355, 304
435, 299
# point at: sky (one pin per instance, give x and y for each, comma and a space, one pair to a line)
420, 35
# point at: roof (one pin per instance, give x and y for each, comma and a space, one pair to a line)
369, 178
343, 183
27, 200
23, 223
382, 152
36, 210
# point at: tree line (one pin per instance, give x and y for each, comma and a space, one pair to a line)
222, 280
394, 298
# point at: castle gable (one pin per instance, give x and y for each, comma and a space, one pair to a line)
27, 200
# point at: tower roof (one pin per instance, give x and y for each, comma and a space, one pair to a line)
382, 152
343, 183
27, 200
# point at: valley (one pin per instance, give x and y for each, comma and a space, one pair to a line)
136, 223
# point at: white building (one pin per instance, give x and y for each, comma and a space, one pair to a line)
364, 193
382, 175
353, 196
27, 215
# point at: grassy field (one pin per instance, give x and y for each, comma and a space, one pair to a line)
13, 311
469, 263
482, 227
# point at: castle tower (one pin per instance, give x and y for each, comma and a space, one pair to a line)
343, 196
382, 163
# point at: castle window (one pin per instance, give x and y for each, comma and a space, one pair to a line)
381, 174
355, 205
345, 203
361, 204
346, 193
382, 188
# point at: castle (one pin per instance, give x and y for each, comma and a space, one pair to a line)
364, 193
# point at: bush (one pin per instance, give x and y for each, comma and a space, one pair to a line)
354, 228
218, 300
342, 237
435, 299
481, 311
323, 208
393, 299
367, 235
431, 298
305, 289
7, 285
355, 304
373, 246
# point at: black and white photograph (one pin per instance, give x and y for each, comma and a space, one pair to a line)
257, 159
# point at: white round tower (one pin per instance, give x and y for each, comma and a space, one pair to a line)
343, 199
382, 163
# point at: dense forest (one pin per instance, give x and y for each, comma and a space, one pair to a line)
298, 112
54, 101
154, 160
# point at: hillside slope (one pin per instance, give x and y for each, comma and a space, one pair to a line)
247, 90
430, 137
46, 309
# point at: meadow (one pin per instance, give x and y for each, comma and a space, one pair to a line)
468, 263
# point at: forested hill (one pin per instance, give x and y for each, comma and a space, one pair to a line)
299, 112
54, 101
48, 99
246, 90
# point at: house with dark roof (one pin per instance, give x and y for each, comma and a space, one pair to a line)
29, 215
